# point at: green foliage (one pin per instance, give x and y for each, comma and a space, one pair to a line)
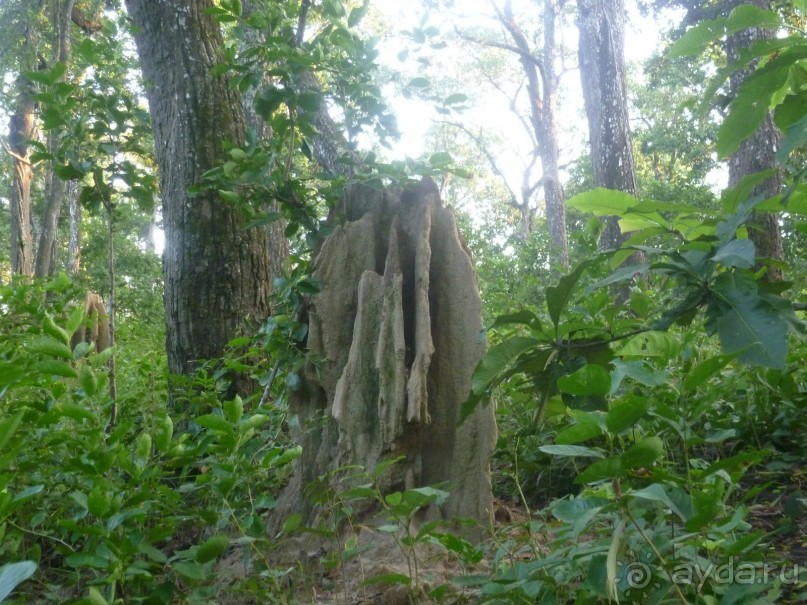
139, 510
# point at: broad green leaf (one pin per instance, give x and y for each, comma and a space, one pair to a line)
643, 453
738, 253
795, 138
214, 422
591, 379
582, 431
651, 344
633, 221
50, 346
603, 202
656, 492
190, 570
212, 548
626, 413
498, 360
55, 367
292, 522
14, 574
706, 369
523, 317
440, 159
609, 468
746, 113
74, 411
569, 511
572, 451
747, 15
698, 38
747, 324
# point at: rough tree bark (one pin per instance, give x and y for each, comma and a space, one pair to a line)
216, 273
397, 327
21, 130
758, 152
55, 189
601, 24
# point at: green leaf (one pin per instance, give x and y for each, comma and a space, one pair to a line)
88, 380
214, 422
651, 344
292, 522
8, 426
419, 83
455, 99
591, 379
603, 202
388, 578
74, 411
14, 574
626, 413
696, 39
51, 329
95, 597
706, 369
50, 346
229, 196
440, 159
656, 493
582, 431
212, 548
746, 15
738, 253
795, 138
609, 468
746, 113
746, 323
190, 570
558, 296
572, 451
498, 360
55, 367
644, 453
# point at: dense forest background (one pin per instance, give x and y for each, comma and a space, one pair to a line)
174, 177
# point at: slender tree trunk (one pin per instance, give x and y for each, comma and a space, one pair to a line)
601, 24
21, 130
758, 152
74, 243
46, 249
542, 86
216, 272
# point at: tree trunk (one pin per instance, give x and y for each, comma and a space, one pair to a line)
758, 152
397, 329
601, 24
21, 130
542, 86
278, 245
74, 243
55, 190
216, 273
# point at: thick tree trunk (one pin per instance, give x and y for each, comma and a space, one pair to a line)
397, 331
21, 130
55, 190
758, 152
216, 273
601, 24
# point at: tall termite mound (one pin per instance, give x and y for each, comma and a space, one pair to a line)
394, 336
